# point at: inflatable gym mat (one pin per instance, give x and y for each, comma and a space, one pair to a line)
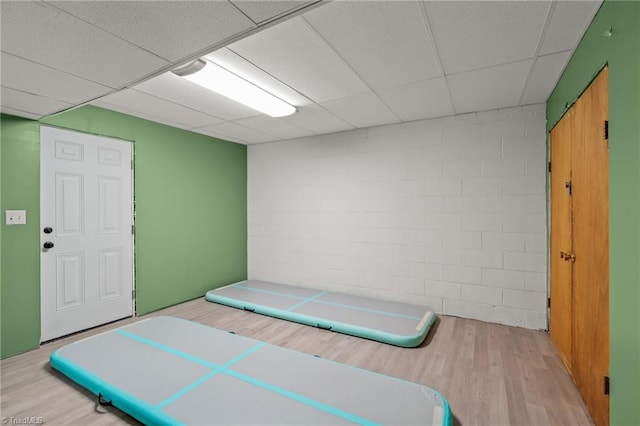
170, 371
399, 324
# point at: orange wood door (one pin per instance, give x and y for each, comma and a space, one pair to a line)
560, 311
579, 289
590, 169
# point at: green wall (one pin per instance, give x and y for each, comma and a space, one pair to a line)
622, 53
20, 291
190, 202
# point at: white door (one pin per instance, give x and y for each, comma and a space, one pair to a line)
86, 218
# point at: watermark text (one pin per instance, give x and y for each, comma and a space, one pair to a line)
26, 420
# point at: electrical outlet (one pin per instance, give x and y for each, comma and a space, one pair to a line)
15, 217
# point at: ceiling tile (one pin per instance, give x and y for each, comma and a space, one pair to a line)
294, 54
139, 101
139, 114
362, 110
489, 88
31, 77
178, 90
245, 69
170, 29
472, 35
545, 74
18, 113
43, 34
569, 21
317, 120
220, 136
385, 42
261, 11
33, 104
344, 64
237, 133
274, 126
416, 101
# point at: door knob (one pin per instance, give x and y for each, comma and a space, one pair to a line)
568, 256
47, 230
48, 245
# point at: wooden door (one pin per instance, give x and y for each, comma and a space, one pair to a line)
560, 311
579, 312
590, 165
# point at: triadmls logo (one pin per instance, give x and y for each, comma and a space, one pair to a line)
26, 420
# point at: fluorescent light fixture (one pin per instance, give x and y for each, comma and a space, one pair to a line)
217, 79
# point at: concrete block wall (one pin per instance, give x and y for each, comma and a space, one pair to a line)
447, 212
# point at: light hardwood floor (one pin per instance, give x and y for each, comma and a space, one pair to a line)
491, 374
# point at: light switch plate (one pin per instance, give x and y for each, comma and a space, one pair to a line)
15, 217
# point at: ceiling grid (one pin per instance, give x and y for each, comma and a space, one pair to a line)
343, 64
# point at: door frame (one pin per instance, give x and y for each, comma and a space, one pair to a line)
134, 295
556, 292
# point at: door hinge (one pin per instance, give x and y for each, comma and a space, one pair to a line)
133, 229
133, 294
548, 302
549, 166
606, 385
606, 129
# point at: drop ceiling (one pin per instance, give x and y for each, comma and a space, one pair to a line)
343, 64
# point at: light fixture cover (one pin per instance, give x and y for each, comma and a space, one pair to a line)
217, 79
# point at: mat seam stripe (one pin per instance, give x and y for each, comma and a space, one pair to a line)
341, 305
259, 290
302, 302
303, 399
188, 388
222, 369
374, 311
207, 376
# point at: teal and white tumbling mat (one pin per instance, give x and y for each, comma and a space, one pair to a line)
399, 324
169, 371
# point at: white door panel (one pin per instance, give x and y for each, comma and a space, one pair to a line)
86, 198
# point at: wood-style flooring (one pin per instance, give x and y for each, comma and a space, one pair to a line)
491, 374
